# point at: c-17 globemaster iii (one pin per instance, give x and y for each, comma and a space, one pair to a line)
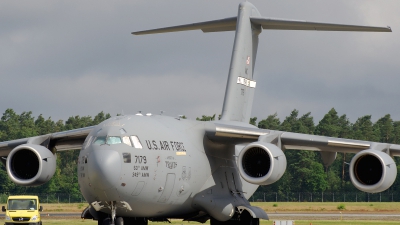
132, 169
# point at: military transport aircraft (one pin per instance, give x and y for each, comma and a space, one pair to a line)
136, 168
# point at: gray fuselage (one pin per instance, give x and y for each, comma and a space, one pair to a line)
156, 165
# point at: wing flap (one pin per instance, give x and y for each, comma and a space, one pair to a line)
65, 140
321, 143
237, 134
80, 132
69, 140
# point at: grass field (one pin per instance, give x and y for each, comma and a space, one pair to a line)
178, 222
326, 207
269, 207
317, 207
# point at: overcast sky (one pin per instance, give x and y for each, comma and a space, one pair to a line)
67, 58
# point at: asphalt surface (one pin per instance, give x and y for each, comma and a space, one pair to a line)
334, 216
57, 214
286, 216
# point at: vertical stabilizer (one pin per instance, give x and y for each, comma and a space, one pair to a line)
248, 24
240, 88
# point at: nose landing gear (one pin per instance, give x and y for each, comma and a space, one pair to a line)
119, 221
243, 219
123, 221
105, 219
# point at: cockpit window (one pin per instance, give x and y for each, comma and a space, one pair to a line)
100, 140
112, 140
136, 142
87, 142
126, 141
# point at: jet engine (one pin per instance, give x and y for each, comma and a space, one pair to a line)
261, 163
372, 171
30, 165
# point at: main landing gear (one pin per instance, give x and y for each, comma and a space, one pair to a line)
123, 221
243, 219
113, 219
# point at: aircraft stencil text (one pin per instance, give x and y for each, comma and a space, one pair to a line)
140, 159
140, 168
165, 145
140, 174
171, 165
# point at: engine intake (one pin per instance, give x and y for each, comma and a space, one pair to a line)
261, 163
372, 171
30, 165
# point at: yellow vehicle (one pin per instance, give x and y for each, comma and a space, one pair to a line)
22, 209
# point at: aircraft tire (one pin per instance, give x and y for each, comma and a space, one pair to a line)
247, 219
244, 219
135, 221
215, 222
106, 221
101, 217
119, 221
229, 222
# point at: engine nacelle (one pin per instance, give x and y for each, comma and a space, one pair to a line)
30, 165
261, 163
372, 171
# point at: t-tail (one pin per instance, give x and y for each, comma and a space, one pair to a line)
249, 24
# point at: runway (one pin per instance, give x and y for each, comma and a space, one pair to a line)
55, 214
283, 216
334, 216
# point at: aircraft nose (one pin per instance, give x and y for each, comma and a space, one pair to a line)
104, 168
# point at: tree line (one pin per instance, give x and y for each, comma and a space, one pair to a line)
305, 171
65, 180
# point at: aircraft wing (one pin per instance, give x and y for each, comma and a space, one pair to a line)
289, 140
65, 140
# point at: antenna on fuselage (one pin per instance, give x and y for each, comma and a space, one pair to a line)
179, 117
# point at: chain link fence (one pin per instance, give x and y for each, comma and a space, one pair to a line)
257, 197
326, 197
48, 197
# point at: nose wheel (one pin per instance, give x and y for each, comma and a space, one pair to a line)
113, 220
108, 221
244, 219
119, 221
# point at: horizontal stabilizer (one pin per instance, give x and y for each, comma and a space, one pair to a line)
227, 24
284, 24
248, 24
